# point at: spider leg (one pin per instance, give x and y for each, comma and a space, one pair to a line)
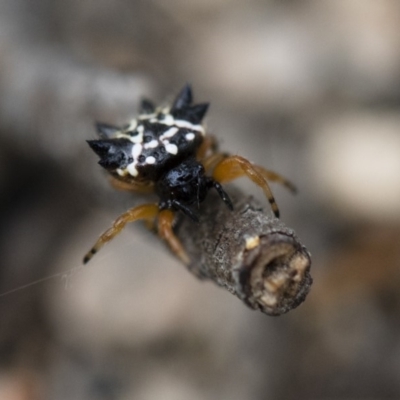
234, 167
138, 187
211, 161
165, 221
186, 210
176, 205
209, 144
145, 211
274, 177
224, 196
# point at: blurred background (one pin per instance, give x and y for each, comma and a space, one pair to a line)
310, 89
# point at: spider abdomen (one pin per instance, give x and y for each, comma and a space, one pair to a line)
151, 145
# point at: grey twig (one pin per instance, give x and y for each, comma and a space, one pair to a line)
254, 256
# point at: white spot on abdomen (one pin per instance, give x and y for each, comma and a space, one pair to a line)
186, 124
136, 151
168, 120
171, 148
132, 169
151, 145
190, 136
132, 125
150, 160
169, 133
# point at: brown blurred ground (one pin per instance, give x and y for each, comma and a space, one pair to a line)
310, 89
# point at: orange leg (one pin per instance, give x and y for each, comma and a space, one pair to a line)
146, 212
234, 167
165, 221
209, 144
274, 177
211, 161
139, 187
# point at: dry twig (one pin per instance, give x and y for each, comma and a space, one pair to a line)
252, 255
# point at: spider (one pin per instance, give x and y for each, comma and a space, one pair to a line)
167, 151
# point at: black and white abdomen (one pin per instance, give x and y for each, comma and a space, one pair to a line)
147, 147
158, 147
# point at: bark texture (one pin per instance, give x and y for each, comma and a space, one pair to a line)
251, 254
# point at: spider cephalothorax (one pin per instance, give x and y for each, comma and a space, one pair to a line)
167, 151
187, 184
